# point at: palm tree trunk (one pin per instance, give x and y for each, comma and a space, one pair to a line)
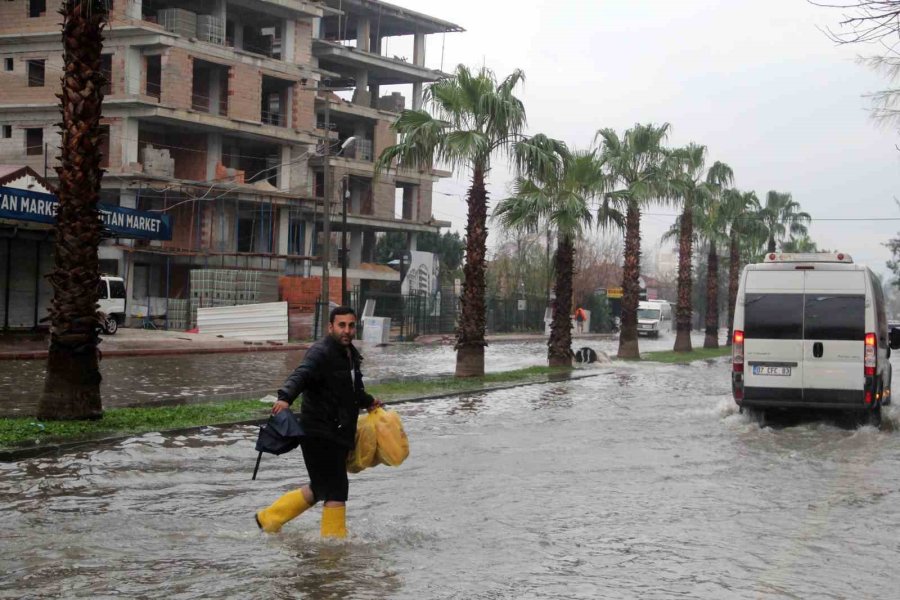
72, 383
734, 272
683, 309
772, 246
712, 299
631, 289
559, 347
470, 341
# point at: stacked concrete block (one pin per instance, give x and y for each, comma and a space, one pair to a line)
157, 161
179, 315
211, 29
179, 21
230, 287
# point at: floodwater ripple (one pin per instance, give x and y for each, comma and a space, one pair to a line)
641, 482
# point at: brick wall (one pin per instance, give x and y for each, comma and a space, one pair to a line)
384, 194
14, 17
244, 92
15, 83
177, 77
303, 116
303, 42
384, 137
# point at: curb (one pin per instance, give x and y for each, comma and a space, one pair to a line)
41, 354
16, 454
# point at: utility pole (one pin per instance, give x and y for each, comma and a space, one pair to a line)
326, 219
345, 295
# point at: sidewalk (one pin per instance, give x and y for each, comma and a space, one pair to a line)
140, 342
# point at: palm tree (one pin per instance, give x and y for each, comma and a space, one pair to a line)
803, 244
72, 383
474, 117
782, 218
738, 212
562, 200
636, 171
690, 186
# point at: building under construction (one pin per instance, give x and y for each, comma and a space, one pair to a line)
227, 116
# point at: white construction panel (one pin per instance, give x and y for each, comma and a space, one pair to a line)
267, 322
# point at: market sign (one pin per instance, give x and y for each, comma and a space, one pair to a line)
613, 293
26, 205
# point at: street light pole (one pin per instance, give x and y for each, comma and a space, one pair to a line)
345, 300
326, 219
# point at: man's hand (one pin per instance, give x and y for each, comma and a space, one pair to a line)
279, 406
376, 404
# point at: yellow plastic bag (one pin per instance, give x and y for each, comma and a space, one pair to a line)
363, 455
392, 444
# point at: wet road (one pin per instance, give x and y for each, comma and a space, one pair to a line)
173, 379
642, 482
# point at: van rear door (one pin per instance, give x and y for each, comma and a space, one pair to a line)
834, 336
773, 336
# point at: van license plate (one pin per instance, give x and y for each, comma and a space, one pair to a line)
776, 371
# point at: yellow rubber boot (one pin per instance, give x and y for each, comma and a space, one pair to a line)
282, 510
334, 521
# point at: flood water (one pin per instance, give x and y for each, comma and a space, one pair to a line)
129, 381
642, 482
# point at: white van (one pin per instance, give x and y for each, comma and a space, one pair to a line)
810, 332
654, 316
111, 303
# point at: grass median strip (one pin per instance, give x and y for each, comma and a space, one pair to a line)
671, 357
29, 431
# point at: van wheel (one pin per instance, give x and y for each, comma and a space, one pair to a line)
110, 325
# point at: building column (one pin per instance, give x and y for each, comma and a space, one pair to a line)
361, 93
133, 9
412, 240
213, 154
134, 64
288, 33
284, 229
355, 250
419, 61
215, 92
363, 33
284, 170
129, 141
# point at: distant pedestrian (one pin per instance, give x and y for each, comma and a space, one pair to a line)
580, 318
331, 382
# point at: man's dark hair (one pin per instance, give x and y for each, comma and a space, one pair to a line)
340, 310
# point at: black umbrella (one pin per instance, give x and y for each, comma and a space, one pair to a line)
280, 434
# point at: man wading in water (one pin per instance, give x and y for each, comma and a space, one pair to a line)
333, 394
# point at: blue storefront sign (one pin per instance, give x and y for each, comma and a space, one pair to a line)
26, 205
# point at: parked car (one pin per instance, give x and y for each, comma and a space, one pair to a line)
654, 316
810, 331
111, 303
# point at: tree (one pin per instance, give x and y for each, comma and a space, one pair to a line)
873, 22
72, 384
782, 217
739, 211
689, 185
636, 172
474, 117
562, 199
799, 244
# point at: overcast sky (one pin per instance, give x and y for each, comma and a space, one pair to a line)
756, 81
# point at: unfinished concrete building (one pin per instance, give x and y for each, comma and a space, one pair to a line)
215, 113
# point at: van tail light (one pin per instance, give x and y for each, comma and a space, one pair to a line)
870, 355
737, 352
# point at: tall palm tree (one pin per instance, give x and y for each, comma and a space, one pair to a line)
72, 383
472, 118
739, 211
690, 185
782, 217
637, 175
564, 201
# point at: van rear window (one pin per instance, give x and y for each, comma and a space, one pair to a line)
835, 317
773, 316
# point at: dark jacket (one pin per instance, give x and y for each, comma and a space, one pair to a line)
331, 383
